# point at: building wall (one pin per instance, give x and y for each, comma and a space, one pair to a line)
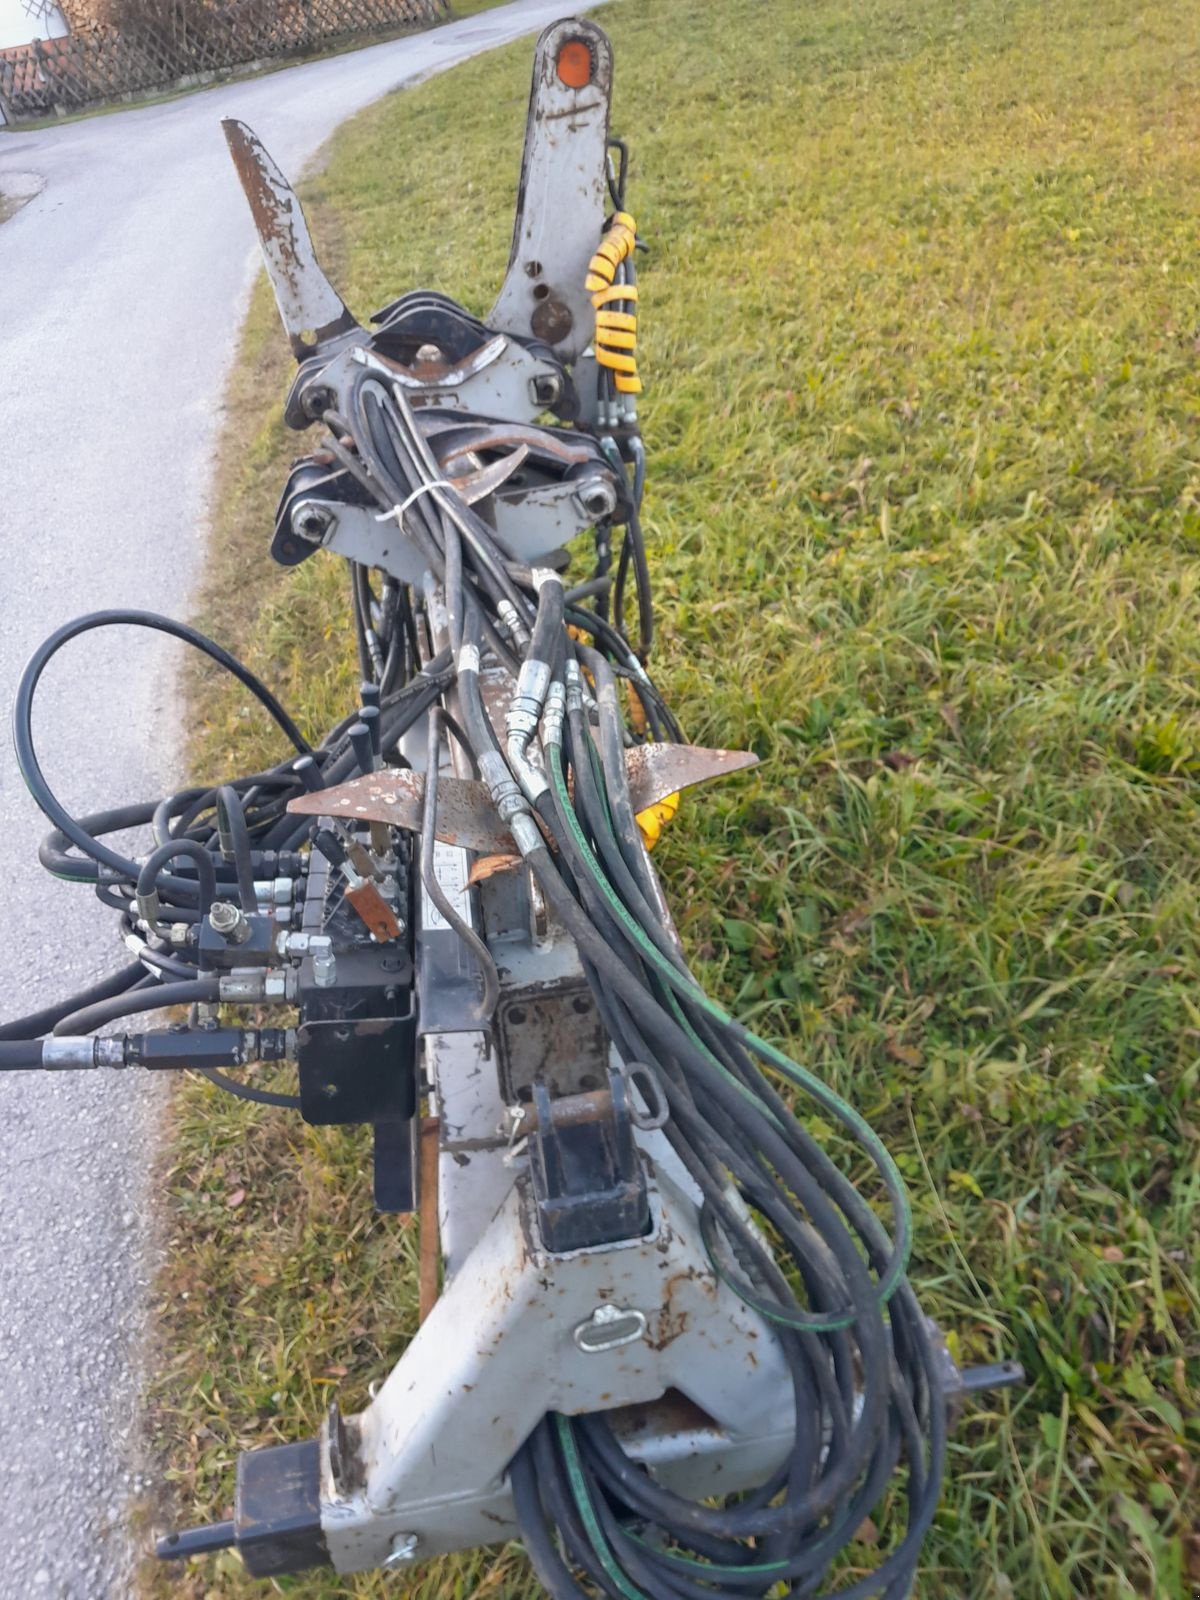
23, 20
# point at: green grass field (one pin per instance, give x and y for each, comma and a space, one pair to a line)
922, 332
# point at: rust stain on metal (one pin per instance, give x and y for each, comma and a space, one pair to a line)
307, 301
427, 1216
552, 320
657, 770
464, 815
673, 1413
672, 1319
574, 1110
464, 440
377, 916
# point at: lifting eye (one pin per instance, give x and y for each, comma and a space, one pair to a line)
574, 64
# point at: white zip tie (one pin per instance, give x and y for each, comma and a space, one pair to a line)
398, 511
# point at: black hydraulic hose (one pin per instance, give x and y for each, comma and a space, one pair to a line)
548, 622
559, 1505
231, 812
19, 1055
247, 1091
622, 651
641, 569
597, 587
620, 844
362, 621
170, 806
475, 719
488, 558
40, 1022
453, 585
552, 1572
589, 807
159, 961
454, 728
154, 998
206, 884
177, 815
22, 722
54, 855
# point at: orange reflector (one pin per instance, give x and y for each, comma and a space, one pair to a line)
575, 64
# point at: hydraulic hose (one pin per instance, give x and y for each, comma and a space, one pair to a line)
147, 876
40, 1022
18, 1055
155, 998
231, 814
27, 760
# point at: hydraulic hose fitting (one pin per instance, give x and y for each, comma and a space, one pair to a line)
70, 1054
511, 623
148, 907
229, 921
507, 798
525, 708
574, 688
555, 713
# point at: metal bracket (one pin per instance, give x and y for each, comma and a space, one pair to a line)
562, 177
500, 1348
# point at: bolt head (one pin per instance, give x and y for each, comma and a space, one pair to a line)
311, 522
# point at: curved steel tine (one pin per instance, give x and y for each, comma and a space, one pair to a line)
314, 315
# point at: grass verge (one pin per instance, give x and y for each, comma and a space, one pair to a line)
922, 327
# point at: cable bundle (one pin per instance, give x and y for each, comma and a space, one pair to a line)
209, 841
833, 1281
612, 284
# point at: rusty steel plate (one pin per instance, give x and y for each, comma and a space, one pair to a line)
308, 303
465, 815
397, 797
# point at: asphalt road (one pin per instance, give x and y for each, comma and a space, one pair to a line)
122, 284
